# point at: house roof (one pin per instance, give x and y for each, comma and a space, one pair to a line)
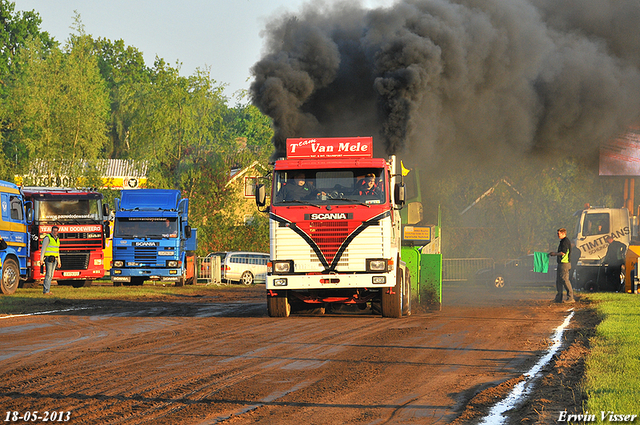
237, 173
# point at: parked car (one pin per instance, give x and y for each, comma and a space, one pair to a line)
516, 272
243, 267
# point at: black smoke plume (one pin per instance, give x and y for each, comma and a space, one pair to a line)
441, 78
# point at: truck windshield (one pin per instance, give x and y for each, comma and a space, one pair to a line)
595, 224
68, 210
146, 228
344, 186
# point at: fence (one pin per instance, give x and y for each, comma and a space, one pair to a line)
208, 270
453, 269
462, 269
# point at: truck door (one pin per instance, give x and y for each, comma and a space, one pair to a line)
595, 224
13, 212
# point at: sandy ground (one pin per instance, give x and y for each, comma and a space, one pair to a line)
220, 359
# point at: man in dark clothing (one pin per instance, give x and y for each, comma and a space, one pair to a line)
564, 266
297, 190
614, 259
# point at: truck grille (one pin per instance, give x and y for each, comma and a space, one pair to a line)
328, 235
77, 260
145, 254
343, 263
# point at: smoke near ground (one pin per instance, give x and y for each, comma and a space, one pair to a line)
446, 79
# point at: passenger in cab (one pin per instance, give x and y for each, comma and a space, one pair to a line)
368, 186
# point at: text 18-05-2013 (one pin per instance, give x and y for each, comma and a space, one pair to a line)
36, 416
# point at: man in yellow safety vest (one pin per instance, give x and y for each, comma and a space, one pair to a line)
50, 255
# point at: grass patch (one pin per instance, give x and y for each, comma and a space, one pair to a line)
612, 381
28, 300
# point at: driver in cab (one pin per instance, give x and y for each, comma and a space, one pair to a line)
297, 190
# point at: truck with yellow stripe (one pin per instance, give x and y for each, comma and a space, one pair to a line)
14, 238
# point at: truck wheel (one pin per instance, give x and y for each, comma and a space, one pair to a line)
406, 294
135, 281
81, 283
392, 298
591, 286
117, 283
246, 278
180, 282
279, 305
10, 277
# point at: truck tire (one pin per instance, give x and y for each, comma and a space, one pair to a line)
180, 282
10, 277
392, 298
81, 283
116, 283
135, 281
279, 305
406, 294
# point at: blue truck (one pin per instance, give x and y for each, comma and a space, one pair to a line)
14, 238
152, 239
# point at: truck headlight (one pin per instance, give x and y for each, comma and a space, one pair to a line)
377, 265
118, 263
172, 263
97, 262
282, 266
280, 282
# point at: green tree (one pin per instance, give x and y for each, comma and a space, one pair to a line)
17, 28
124, 70
59, 105
529, 201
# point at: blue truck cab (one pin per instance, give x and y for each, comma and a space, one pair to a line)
14, 242
152, 239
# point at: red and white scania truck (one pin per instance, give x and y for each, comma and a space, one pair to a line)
335, 238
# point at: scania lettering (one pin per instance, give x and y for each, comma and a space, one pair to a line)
152, 238
334, 229
82, 221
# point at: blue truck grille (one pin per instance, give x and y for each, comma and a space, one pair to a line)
145, 255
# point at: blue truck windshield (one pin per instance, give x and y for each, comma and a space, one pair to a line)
156, 227
81, 210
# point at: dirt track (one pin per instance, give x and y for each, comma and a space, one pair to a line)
207, 360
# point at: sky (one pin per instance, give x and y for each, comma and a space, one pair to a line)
221, 34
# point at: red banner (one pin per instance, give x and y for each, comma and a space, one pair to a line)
330, 147
72, 228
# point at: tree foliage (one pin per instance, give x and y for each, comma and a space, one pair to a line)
58, 106
528, 202
17, 29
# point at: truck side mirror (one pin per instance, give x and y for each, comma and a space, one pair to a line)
187, 231
105, 210
261, 195
400, 194
29, 213
107, 231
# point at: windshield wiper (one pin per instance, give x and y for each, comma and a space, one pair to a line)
296, 201
352, 200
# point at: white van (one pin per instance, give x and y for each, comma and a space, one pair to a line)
243, 267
